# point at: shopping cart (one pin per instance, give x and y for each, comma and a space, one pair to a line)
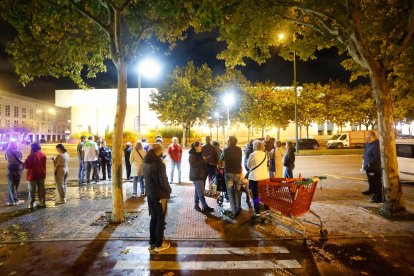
221, 185
292, 198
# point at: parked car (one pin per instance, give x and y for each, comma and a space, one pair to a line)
308, 144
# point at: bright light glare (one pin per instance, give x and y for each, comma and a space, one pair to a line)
149, 67
228, 99
216, 114
281, 36
51, 111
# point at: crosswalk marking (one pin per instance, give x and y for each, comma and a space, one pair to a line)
206, 265
213, 250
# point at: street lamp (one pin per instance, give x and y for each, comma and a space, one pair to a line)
295, 85
149, 68
228, 100
217, 115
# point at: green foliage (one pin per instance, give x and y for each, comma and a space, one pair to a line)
127, 136
82, 133
168, 132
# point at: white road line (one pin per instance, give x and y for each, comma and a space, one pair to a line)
200, 265
213, 250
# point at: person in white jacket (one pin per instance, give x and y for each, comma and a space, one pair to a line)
257, 164
137, 159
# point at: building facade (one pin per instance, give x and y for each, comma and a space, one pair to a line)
31, 120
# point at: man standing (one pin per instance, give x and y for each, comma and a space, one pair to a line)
372, 165
232, 157
81, 172
91, 152
35, 166
158, 191
105, 158
175, 151
209, 152
289, 160
127, 155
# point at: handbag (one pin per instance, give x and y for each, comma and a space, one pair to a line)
247, 174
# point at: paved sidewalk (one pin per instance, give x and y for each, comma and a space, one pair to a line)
341, 208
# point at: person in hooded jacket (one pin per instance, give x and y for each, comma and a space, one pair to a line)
158, 190
198, 174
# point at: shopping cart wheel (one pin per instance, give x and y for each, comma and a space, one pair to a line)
220, 200
324, 233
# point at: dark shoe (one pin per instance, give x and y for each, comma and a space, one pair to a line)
238, 212
367, 192
207, 210
197, 208
232, 216
376, 200
103, 179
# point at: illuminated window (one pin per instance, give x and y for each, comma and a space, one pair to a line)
23, 112
16, 112
7, 110
30, 113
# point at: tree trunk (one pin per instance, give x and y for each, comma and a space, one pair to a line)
117, 195
393, 202
184, 142
307, 132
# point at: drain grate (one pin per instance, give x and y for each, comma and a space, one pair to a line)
105, 219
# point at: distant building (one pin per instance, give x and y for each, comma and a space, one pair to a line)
28, 119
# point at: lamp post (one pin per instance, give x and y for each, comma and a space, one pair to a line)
217, 115
228, 100
295, 85
150, 68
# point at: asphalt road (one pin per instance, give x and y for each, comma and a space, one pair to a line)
334, 166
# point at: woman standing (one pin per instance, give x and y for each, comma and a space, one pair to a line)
257, 171
137, 160
198, 174
14, 172
61, 163
289, 160
35, 166
276, 161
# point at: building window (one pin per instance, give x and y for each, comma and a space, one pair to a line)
23, 113
31, 114
16, 112
7, 123
7, 110
0, 109
16, 123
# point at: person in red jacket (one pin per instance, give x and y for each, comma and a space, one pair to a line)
35, 165
176, 152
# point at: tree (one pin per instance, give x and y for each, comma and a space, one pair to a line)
71, 38
377, 35
185, 98
309, 106
363, 110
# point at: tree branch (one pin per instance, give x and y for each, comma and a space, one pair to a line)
137, 42
408, 39
321, 14
124, 5
90, 16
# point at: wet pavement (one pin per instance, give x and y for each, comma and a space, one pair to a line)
77, 237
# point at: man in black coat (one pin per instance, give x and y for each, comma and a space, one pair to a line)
158, 191
127, 154
209, 152
372, 165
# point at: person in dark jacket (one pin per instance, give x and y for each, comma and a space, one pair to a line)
209, 153
248, 149
127, 154
289, 160
14, 172
105, 158
158, 191
198, 174
232, 157
372, 165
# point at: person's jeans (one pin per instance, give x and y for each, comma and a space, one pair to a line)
137, 179
287, 172
173, 165
233, 189
211, 174
61, 178
13, 180
157, 222
92, 165
199, 193
254, 187
106, 166
82, 171
40, 185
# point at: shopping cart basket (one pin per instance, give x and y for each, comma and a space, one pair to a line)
221, 185
291, 197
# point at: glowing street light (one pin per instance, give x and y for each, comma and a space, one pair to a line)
228, 101
149, 68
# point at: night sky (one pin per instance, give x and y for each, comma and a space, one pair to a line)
201, 48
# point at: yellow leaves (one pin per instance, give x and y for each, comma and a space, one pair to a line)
125, 251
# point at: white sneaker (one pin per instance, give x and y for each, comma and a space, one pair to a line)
134, 195
164, 246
